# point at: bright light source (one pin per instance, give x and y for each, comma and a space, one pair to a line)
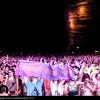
72, 21
78, 47
83, 11
96, 51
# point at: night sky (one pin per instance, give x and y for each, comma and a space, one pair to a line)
39, 27
43, 28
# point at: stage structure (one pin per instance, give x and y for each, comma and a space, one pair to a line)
78, 19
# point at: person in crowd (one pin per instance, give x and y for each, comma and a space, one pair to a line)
20, 86
94, 69
34, 86
6, 69
77, 75
65, 90
3, 68
1, 76
71, 88
54, 87
11, 82
88, 88
61, 87
24, 87
47, 88
3, 90
97, 83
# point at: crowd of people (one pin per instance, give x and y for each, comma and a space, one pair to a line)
86, 81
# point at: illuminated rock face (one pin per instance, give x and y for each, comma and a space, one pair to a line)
80, 17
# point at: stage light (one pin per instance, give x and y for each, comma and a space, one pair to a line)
78, 47
73, 52
72, 24
83, 10
96, 51
72, 21
21, 53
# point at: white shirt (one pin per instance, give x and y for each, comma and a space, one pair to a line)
60, 89
53, 88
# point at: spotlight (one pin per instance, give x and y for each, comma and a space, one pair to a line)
96, 51
72, 52
78, 47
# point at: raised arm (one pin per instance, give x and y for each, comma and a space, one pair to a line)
77, 63
82, 67
66, 90
92, 88
79, 83
25, 79
6, 78
17, 82
79, 90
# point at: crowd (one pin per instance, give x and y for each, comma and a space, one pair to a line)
86, 80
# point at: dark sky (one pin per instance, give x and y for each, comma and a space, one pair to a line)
35, 27
43, 27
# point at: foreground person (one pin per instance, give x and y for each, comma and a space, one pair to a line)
47, 88
54, 87
3, 90
98, 84
11, 83
88, 88
61, 87
72, 87
34, 86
